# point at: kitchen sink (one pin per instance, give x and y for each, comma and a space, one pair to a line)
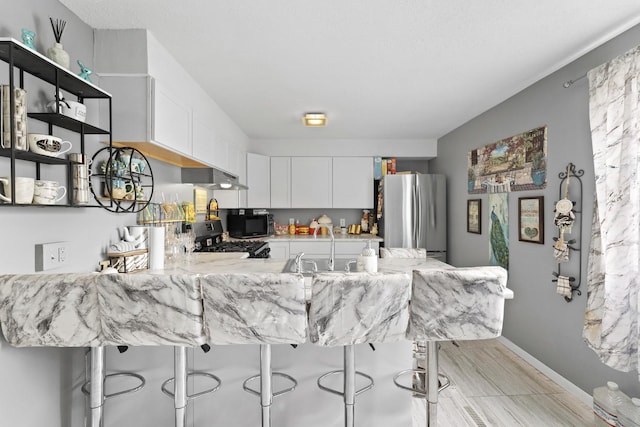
340, 264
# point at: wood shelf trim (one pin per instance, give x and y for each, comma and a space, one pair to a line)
155, 151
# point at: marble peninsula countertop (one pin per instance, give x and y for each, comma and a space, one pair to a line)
202, 263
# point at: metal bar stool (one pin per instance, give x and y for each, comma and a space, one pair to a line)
258, 308
68, 315
147, 309
454, 304
94, 387
418, 386
357, 308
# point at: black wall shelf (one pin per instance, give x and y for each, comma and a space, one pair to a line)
68, 123
40, 66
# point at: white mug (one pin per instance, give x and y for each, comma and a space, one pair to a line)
48, 192
24, 189
48, 145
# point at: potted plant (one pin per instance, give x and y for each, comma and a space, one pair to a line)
471, 179
538, 168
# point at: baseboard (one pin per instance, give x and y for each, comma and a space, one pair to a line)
570, 387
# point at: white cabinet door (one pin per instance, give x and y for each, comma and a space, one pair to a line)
258, 181
204, 141
320, 248
353, 182
279, 250
353, 249
280, 182
171, 120
311, 182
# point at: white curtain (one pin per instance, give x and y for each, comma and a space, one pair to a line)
611, 321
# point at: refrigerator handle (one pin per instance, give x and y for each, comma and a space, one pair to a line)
417, 214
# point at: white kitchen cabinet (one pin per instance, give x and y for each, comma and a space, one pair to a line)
311, 182
147, 111
171, 120
280, 182
322, 248
311, 249
279, 250
205, 143
352, 182
258, 181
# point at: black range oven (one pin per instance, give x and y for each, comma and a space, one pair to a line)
209, 239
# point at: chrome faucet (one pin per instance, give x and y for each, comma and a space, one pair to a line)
299, 262
332, 255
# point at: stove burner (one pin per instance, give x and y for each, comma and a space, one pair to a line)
209, 239
256, 249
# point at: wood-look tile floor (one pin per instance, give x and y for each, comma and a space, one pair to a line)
492, 386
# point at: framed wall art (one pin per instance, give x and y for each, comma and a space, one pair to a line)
516, 163
474, 219
531, 219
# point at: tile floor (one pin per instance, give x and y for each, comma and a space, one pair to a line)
492, 386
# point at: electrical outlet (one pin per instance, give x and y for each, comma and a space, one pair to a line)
343, 223
50, 255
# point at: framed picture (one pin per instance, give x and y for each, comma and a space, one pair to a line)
531, 219
474, 218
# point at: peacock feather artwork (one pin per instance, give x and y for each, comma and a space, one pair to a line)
499, 229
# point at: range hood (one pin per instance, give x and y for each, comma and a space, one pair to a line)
212, 179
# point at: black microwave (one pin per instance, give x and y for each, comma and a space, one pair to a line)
246, 226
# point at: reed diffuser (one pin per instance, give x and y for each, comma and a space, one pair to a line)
56, 52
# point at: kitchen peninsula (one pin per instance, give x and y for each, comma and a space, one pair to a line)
232, 363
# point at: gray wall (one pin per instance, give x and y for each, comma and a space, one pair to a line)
537, 320
41, 386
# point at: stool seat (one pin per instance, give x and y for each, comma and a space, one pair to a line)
256, 308
453, 304
149, 309
69, 314
357, 308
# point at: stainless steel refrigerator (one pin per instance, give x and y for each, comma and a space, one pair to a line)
414, 213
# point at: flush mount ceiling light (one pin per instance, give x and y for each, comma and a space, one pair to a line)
314, 119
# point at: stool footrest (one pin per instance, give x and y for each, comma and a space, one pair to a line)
245, 384
86, 385
443, 381
369, 386
171, 394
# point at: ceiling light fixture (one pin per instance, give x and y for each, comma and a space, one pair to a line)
314, 119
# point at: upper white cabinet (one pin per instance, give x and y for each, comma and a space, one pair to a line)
160, 107
311, 182
280, 182
206, 145
353, 182
258, 181
171, 119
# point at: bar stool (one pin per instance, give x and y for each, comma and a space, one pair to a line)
454, 304
357, 308
256, 308
147, 309
418, 386
67, 315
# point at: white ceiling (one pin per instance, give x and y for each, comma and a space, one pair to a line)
402, 69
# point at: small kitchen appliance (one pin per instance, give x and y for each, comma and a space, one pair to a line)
209, 239
243, 226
